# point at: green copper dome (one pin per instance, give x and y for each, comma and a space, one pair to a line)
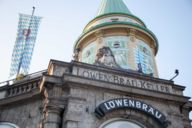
112, 6
114, 12
128, 41
113, 9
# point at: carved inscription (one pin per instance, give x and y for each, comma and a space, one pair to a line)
121, 80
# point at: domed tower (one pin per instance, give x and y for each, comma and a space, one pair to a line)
115, 29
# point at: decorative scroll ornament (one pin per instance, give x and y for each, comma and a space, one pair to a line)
76, 54
105, 57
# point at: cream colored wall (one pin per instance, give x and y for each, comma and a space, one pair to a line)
98, 36
132, 44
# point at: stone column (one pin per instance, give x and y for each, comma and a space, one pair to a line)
53, 119
186, 118
53, 106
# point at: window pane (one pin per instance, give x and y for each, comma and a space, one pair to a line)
122, 124
7, 125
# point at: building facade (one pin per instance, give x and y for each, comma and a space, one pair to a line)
111, 83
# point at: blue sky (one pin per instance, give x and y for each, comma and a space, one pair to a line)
63, 21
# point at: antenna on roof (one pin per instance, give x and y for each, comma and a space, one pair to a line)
33, 11
176, 74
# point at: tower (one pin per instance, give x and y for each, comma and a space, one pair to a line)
133, 45
107, 86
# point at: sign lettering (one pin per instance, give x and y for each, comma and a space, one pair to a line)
119, 103
121, 80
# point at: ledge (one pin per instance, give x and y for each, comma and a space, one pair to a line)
121, 23
85, 82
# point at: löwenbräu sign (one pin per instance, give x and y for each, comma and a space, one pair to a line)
122, 80
120, 103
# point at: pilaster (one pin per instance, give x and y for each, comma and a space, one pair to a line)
186, 109
131, 46
99, 39
154, 61
75, 112
53, 106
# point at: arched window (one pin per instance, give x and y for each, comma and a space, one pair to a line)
7, 125
121, 124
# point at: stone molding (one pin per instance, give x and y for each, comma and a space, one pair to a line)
126, 90
21, 89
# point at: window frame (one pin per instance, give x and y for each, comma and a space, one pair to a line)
9, 124
103, 125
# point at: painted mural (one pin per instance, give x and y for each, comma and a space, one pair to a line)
88, 53
143, 58
118, 45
